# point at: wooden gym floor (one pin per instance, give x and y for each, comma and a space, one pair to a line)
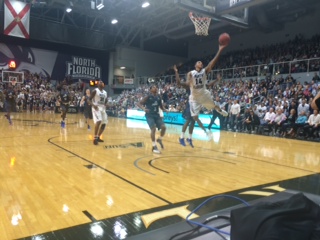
55, 184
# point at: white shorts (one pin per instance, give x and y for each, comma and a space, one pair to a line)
100, 115
198, 101
195, 108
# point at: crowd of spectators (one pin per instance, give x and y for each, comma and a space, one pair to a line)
258, 99
277, 104
277, 92
37, 93
282, 58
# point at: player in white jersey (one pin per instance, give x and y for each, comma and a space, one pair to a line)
199, 95
98, 101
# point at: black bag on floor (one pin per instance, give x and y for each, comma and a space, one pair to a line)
296, 218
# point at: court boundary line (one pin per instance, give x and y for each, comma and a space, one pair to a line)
154, 159
135, 163
110, 172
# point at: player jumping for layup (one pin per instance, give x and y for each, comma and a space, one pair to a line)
199, 95
187, 113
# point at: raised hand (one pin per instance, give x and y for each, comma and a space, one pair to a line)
221, 47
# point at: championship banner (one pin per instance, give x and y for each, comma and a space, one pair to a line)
16, 18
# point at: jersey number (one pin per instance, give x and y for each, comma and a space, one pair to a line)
198, 81
102, 100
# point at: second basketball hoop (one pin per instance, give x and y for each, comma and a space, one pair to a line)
201, 24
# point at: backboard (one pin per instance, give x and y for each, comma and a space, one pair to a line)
234, 12
12, 77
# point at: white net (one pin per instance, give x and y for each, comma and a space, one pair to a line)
201, 24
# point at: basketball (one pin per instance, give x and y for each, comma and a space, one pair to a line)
224, 39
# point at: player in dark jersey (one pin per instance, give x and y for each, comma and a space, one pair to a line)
10, 103
186, 113
64, 99
87, 108
37, 101
151, 104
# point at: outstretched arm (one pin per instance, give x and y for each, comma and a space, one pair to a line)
214, 81
213, 62
179, 83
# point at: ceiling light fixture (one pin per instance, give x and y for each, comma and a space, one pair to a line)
122, 67
145, 4
69, 7
114, 21
99, 4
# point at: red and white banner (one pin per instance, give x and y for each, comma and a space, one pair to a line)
16, 18
128, 81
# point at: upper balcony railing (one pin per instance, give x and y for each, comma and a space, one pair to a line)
254, 71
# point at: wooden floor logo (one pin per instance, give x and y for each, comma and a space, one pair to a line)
126, 145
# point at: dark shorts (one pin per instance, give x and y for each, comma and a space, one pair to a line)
64, 107
10, 106
154, 121
87, 112
186, 113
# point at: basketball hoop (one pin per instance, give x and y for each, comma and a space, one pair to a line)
201, 24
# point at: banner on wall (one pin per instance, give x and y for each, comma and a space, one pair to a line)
83, 68
49, 64
16, 19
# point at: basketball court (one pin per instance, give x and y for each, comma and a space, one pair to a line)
57, 185
55, 181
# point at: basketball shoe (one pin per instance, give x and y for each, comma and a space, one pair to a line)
182, 142
100, 140
155, 149
95, 141
189, 140
209, 135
